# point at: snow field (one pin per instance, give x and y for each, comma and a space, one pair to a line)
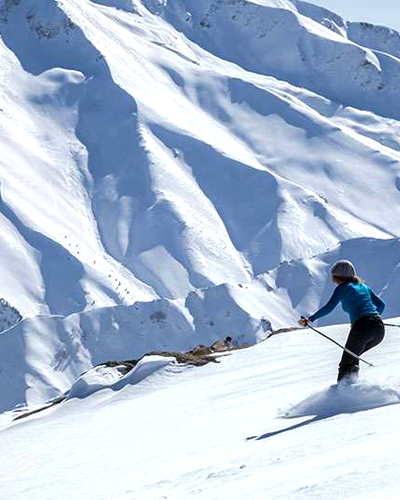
221, 431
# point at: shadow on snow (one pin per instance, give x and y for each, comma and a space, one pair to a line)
336, 400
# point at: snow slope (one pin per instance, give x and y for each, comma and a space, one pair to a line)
154, 148
263, 423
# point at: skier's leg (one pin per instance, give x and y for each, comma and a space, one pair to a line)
349, 365
348, 369
376, 333
356, 342
366, 332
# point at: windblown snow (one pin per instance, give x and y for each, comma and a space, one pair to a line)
172, 172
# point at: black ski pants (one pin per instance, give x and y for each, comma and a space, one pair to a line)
366, 332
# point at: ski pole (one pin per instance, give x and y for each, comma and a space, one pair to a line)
337, 343
391, 324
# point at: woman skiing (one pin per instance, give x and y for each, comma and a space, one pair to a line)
364, 308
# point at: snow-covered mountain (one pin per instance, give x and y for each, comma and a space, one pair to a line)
154, 148
172, 171
46, 354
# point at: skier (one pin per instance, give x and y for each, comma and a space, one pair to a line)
364, 308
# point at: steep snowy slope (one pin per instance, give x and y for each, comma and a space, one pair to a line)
318, 55
264, 423
154, 148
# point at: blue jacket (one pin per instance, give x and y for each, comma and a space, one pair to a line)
357, 300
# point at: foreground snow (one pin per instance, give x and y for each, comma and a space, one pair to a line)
263, 423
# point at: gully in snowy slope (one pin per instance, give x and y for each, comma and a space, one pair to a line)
364, 309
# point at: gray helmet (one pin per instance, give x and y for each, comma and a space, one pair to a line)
344, 269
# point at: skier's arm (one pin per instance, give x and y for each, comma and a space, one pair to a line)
330, 305
378, 303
